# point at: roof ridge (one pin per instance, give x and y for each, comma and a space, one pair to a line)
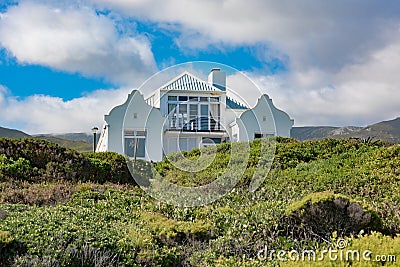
195, 83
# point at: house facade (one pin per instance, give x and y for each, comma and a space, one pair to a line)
188, 113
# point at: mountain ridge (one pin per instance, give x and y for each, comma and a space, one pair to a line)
388, 130
13, 133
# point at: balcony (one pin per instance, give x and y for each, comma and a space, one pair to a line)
197, 124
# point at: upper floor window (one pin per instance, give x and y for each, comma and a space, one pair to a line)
184, 98
192, 113
172, 98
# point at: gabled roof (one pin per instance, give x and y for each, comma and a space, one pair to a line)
188, 82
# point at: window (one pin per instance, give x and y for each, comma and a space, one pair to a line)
171, 108
141, 133
129, 133
257, 135
204, 117
182, 115
183, 109
193, 113
215, 116
208, 140
262, 135
193, 110
187, 144
135, 143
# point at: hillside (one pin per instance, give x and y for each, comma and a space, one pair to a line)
62, 208
11, 133
82, 142
386, 131
77, 144
83, 137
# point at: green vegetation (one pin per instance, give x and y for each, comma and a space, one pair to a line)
62, 208
35, 160
78, 145
318, 215
80, 141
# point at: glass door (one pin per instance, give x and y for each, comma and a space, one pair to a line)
215, 117
182, 116
204, 120
193, 117
172, 116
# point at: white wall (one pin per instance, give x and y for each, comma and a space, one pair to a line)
147, 118
264, 118
115, 120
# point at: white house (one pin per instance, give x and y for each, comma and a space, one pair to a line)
188, 113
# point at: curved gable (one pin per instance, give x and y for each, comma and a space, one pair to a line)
265, 118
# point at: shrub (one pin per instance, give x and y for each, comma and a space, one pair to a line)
39, 160
72, 256
37, 152
169, 231
318, 215
142, 171
8, 248
36, 160
37, 193
110, 167
19, 169
110, 219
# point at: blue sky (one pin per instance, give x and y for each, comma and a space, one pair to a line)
27, 79
64, 64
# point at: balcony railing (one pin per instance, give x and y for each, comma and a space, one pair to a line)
195, 124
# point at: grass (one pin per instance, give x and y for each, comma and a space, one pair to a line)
58, 222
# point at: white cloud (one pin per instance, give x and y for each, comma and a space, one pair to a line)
76, 39
3, 92
323, 34
343, 57
359, 94
46, 114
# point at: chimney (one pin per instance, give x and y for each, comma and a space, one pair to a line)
217, 78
